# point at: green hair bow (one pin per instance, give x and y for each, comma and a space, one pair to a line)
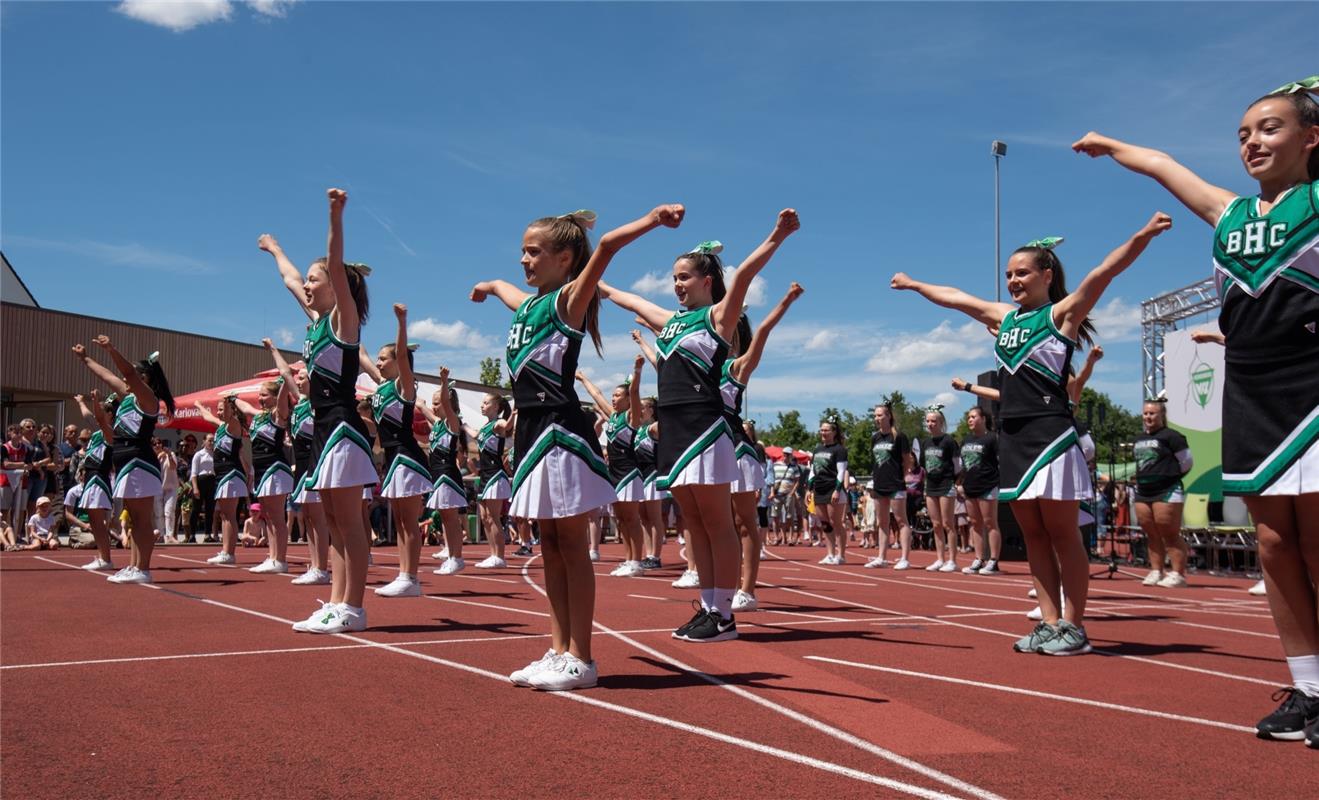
413, 346
154, 358
584, 217
1047, 243
1310, 84
710, 248
354, 266
112, 397
935, 407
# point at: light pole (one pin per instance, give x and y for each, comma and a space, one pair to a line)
998, 149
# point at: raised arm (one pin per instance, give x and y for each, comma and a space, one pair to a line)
983, 311
246, 407
115, 383
577, 293
601, 404
407, 385
206, 413
84, 409
987, 392
285, 371
288, 272
1079, 380
1071, 311
725, 313
1206, 201
746, 363
646, 349
634, 394
344, 320
1203, 336
368, 367
648, 313
102, 418
508, 294
447, 410
145, 397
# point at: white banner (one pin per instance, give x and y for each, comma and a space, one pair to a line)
1193, 377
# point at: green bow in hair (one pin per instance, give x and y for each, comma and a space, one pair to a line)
710, 248
1047, 243
1310, 84
361, 269
154, 358
584, 217
935, 407
112, 397
413, 346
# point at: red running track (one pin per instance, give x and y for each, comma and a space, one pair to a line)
848, 682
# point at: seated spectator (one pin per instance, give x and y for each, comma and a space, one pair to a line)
255, 528
41, 527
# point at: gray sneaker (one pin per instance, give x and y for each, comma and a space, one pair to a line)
1067, 640
1031, 642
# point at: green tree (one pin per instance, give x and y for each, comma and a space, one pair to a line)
788, 431
1119, 426
492, 372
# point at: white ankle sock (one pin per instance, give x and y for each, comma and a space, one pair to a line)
723, 602
707, 599
1305, 673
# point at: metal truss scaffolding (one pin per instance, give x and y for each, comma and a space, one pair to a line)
1158, 315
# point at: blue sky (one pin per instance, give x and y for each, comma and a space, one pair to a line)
145, 150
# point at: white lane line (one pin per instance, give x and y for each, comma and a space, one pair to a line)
822, 727
479, 578
747, 744
195, 561
1043, 695
1273, 636
648, 597
784, 569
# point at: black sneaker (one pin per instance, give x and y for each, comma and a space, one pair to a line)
1289, 722
650, 562
711, 628
522, 551
681, 632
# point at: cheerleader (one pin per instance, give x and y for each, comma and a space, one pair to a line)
448, 440
1266, 263
560, 477
893, 456
95, 499
143, 388
647, 440
270, 468
938, 455
622, 419
233, 471
1041, 468
696, 451
490, 440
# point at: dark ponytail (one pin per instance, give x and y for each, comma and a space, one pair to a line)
568, 233
356, 287
1044, 258
741, 336
155, 378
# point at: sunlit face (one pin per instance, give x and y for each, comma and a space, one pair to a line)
975, 421
544, 267
437, 401
210, 441
690, 287
490, 406
883, 419
387, 363
1274, 145
934, 423
1152, 417
318, 291
647, 410
71, 433
1027, 284
619, 399
828, 433
266, 398
300, 378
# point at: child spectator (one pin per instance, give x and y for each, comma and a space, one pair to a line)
41, 527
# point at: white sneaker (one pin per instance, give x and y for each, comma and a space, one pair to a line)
826, 560
99, 564
902, 564
1153, 578
595, 556
629, 569
402, 586
689, 580
440, 555
948, 566
270, 567
130, 575
1258, 589
1032, 594
312, 577
522, 677
343, 619
876, 563
838, 561
221, 558
990, 568
935, 567
743, 602
1173, 580
451, 567
973, 568
319, 615
491, 562
567, 672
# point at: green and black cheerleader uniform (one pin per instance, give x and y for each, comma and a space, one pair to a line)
96, 491
623, 469
490, 447
980, 466
644, 448
137, 473
304, 436
1267, 270
447, 480
828, 465
559, 471
889, 477
1040, 456
341, 445
696, 445
405, 472
268, 458
1162, 458
750, 463
230, 479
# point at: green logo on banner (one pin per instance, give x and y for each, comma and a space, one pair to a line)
1202, 383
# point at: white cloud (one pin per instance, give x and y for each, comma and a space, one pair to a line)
131, 255
456, 334
822, 340
1116, 321
285, 337
756, 292
655, 284
945, 399
184, 15
942, 345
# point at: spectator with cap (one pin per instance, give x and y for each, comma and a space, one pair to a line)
41, 527
256, 528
